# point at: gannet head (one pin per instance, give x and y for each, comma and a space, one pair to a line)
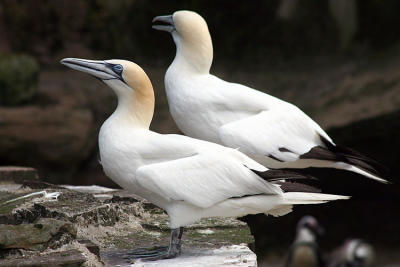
308, 229
191, 36
128, 80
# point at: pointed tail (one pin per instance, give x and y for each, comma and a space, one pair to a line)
345, 158
300, 198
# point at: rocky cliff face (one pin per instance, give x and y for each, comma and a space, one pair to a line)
57, 130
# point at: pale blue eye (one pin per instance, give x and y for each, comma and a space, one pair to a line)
118, 68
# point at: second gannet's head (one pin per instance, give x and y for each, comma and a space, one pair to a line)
129, 82
308, 229
192, 38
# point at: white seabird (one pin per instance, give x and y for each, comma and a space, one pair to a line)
190, 179
273, 132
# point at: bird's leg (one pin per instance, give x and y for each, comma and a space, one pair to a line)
158, 253
175, 243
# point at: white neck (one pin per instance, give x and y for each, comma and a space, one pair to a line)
135, 108
193, 55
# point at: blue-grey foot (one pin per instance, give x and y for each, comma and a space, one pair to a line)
158, 253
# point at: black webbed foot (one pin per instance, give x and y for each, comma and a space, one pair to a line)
159, 252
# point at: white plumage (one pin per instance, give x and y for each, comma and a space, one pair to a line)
275, 133
190, 179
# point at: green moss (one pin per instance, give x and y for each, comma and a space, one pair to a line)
137, 239
221, 236
19, 76
6, 208
191, 238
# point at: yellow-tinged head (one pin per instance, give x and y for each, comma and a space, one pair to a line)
129, 82
192, 38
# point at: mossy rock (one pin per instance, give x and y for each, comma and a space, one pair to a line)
19, 77
43, 233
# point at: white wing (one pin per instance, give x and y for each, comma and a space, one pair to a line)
205, 178
284, 134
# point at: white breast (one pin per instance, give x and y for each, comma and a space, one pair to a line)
118, 159
120, 155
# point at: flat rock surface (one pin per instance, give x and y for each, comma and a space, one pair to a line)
234, 255
71, 258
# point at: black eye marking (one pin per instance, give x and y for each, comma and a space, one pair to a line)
118, 69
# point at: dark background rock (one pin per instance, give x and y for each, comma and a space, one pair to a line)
17, 174
56, 134
19, 77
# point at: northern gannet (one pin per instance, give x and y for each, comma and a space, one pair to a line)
304, 251
190, 179
273, 132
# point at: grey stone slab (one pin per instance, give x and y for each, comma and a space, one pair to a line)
70, 258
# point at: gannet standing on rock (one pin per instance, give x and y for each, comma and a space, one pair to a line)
275, 133
190, 179
304, 251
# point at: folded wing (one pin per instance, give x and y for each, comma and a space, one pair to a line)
289, 135
203, 179
282, 134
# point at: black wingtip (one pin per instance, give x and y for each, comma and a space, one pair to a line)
273, 175
347, 155
288, 186
287, 180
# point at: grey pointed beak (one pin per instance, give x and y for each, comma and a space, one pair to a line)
97, 68
168, 26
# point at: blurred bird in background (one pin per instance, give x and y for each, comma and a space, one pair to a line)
305, 251
353, 253
344, 13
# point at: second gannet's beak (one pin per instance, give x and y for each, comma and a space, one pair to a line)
100, 69
168, 26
